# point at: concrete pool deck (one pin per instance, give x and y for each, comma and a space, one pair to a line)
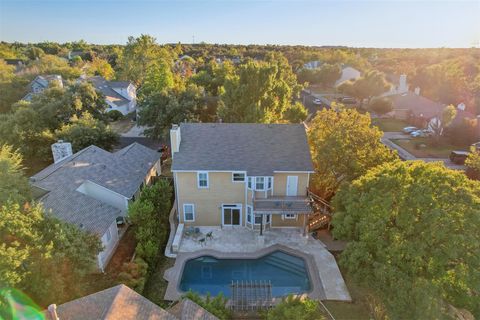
241, 242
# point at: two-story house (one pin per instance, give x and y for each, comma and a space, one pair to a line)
241, 175
40, 83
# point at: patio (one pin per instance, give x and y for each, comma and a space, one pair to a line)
243, 240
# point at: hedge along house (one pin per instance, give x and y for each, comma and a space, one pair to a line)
93, 187
241, 175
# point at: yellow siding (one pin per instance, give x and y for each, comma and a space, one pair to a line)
278, 222
280, 183
208, 202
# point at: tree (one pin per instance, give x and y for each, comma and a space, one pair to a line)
344, 146
394, 218
159, 78
260, 92
13, 184
42, 256
216, 305
326, 75
381, 106
101, 67
149, 214
213, 76
296, 113
438, 125
7, 72
372, 84
85, 131
473, 163
139, 55
295, 308
159, 110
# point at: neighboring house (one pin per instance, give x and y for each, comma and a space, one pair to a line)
122, 303
19, 64
415, 107
119, 95
40, 83
93, 187
348, 73
312, 65
241, 175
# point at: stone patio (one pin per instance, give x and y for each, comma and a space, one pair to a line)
243, 240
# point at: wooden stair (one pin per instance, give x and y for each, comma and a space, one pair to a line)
318, 221
322, 212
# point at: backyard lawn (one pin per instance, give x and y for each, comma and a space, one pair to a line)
424, 148
389, 124
356, 310
122, 126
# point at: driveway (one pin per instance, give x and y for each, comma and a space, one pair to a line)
405, 155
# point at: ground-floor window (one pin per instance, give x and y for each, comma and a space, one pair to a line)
188, 212
232, 214
249, 214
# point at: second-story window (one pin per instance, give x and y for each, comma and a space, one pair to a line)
238, 177
269, 183
202, 179
250, 183
260, 183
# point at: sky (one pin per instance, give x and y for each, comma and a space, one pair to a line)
385, 24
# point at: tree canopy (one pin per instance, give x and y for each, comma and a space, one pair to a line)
344, 145
260, 91
413, 237
14, 185
298, 308
371, 84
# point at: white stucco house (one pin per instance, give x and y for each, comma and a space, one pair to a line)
40, 83
348, 73
119, 95
93, 187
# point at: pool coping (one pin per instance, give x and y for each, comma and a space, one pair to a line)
173, 274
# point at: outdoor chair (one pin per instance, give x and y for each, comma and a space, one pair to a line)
209, 235
189, 231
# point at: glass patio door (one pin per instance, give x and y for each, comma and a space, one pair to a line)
232, 215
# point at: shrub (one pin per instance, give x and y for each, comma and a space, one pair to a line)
115, 115
133, 274
298, 308
381, 105
216, 305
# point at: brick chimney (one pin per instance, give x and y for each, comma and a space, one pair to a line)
52, 311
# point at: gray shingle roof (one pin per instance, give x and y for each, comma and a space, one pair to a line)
259, 149
122, 172
119, 302
105, 87
417, 104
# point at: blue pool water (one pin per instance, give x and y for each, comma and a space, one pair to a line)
287, 274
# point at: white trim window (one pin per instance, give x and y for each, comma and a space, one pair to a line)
250, 181
260, 183
202, 180
188, 212
258, 219
249, 213
269, 183
290, 216
238, 177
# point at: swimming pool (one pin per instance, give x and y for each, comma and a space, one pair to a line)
287, 274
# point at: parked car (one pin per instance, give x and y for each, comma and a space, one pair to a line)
409, 130
458, 157
317, 101
420, 133
348, 100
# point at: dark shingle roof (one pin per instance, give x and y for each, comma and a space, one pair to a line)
122, 172
116, 303
259, 149
105, 87
417, 104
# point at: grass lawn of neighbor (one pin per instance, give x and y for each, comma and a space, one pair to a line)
389, 124
424, 148
122, 126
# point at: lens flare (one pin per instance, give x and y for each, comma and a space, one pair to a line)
18, 306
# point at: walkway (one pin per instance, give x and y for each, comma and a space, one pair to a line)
241, 239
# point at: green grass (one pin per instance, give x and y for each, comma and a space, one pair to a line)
426, 148
358, 309
156, 286
389, 124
